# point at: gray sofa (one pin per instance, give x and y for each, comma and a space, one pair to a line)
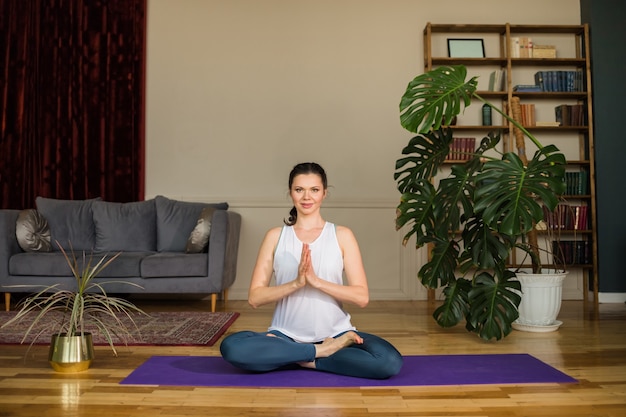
167, 246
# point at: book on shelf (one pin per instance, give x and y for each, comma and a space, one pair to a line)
496, 80
461, 149
547, 123
528, 114
527, 88
572, 252
514, 47
567, 217
525, 47
521, 47
569, 81
570, 114
577, 183
544, 51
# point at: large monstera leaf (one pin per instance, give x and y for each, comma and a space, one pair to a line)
493, 303
425, 154
416, 210
510, 194
440, 269
436, 97
488, 304
455, 306
484, 248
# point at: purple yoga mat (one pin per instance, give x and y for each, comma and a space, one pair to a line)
205, 371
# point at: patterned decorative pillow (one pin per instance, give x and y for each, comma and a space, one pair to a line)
199, 238
32, 231
176, 220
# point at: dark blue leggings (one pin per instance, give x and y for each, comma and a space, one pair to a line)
253, 351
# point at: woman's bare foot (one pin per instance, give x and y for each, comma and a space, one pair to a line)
332, 345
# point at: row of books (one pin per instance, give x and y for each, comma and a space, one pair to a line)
567, 217
560, 80
571, 252
461, 149
577, 183
521, 47
570, 114
545, 81
528, 114
524, 47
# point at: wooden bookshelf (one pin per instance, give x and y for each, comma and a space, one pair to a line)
571, 43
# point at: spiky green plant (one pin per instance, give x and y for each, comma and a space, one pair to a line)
87, 303
477, 215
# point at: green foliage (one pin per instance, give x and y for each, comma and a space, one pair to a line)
87, 303
474, 217
434, 97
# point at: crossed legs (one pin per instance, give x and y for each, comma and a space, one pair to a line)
350, 353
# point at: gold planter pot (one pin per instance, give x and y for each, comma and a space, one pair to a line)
71, 354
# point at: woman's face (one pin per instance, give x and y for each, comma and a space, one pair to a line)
307, 192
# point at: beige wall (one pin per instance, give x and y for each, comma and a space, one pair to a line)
238, 91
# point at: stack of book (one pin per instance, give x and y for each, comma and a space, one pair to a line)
567, 217
524, 88
521, 47
560, 81
528, 114
462, 149
570, 114
544, 51
577, 183
572, 252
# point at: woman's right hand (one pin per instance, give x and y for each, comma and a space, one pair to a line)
304, 267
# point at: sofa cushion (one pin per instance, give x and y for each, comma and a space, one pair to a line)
32, 231
127, 265
45, 264
198, 240
53, 264
70, 221
175, 264
125, 226
176, 220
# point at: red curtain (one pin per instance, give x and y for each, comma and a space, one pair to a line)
72, 79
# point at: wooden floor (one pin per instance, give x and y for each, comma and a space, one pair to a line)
593, 351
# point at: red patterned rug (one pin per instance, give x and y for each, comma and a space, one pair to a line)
164, 329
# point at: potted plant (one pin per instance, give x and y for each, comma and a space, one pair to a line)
474, 218
67, 314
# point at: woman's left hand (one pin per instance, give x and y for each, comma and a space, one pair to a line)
306, 268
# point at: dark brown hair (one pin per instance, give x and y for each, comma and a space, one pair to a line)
300, 169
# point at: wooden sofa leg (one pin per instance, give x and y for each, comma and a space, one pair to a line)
7, 301
213, 302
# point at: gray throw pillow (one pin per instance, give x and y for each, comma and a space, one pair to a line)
70, 221
125, 226
176, 220
32, 231
199, 237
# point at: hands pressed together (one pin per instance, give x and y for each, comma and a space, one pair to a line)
306, 274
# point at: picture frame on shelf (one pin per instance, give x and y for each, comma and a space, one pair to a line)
466, 48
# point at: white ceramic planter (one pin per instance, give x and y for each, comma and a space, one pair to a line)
541, 301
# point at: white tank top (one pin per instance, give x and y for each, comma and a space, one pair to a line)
309, 315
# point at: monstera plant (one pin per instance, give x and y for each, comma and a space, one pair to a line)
474, 218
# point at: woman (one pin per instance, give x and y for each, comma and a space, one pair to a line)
310, 328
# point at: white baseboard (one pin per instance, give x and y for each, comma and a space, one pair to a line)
611, 297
